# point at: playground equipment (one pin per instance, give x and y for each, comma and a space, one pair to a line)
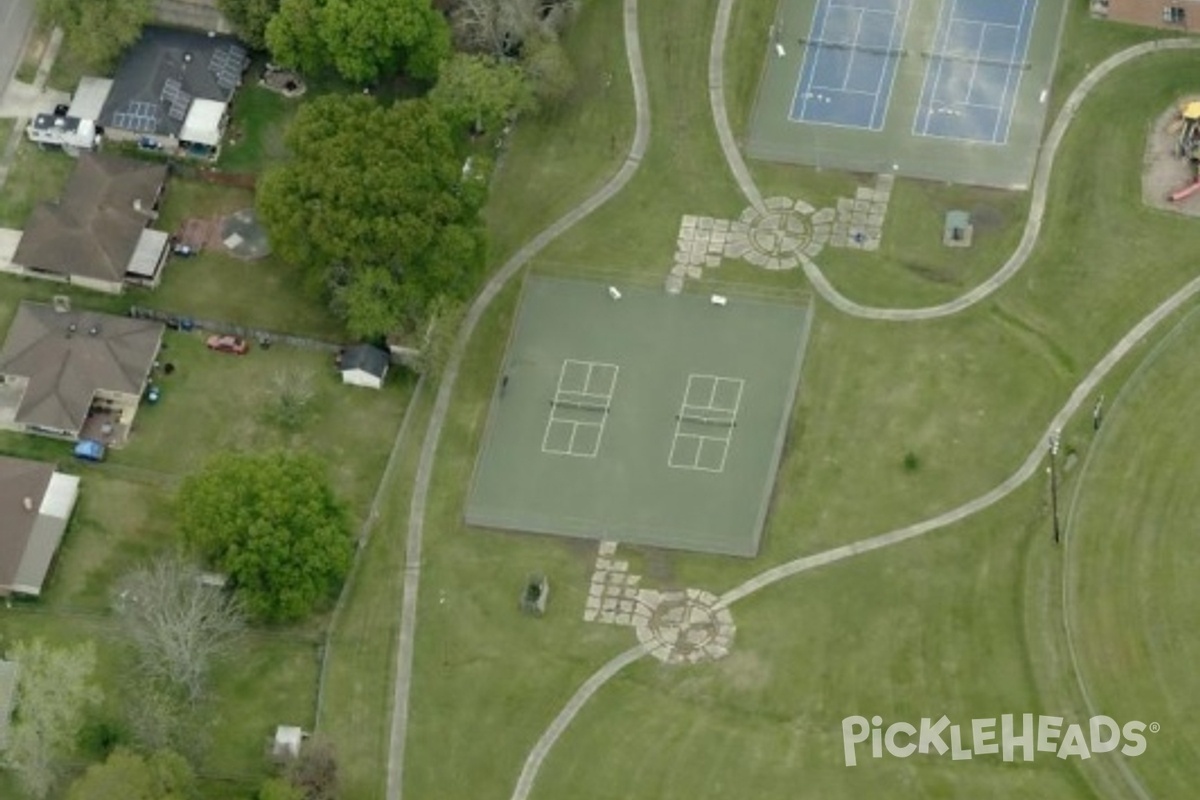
1188, 146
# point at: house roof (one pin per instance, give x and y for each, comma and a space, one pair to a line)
19, 480
164, 71
94, 229
367, 358
203, 123
68, 356
8, 694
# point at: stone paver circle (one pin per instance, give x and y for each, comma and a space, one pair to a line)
684, 627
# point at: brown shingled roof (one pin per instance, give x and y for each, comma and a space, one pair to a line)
93, 230
66, 367
19, 479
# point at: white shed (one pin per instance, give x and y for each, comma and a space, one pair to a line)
364, 365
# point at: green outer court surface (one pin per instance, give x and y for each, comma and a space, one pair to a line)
652, 419
772, 136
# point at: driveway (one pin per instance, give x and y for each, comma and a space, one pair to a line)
16, 19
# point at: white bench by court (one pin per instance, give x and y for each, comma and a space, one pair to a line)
720, 300
614, 293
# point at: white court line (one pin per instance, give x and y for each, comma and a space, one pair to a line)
843, 91
891, 44
570, 395
853, 49
815, 53
1024, 54
944, 32
705, 411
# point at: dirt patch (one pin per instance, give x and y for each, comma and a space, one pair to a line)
987, 218
200, 233
745, 670
1163, 170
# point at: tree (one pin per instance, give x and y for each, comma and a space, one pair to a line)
97, 31
178, 624
480, 92
548, 71
315, 771
375, 207
445, 318
129, 776
502, 27
272, 523
364, 40
54, 692
279, 789
250, 18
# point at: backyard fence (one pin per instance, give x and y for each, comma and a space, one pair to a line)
260, 335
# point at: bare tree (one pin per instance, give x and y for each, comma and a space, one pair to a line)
500, 27
177, 622
292, 394
54, 692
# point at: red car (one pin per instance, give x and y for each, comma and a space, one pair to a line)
228, 344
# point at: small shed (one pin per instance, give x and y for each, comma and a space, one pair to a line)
364, 365
288, 739
959, 230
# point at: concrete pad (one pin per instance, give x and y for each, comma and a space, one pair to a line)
778, 203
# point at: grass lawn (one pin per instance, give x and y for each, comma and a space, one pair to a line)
211, 402
36, 175
937, 626
268, 293
1131, 558
259, 120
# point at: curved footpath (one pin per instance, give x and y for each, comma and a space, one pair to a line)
437, 420
1027, 469
1037, 205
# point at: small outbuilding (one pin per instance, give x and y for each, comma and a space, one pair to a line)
287, 742
364, 365
958, 231
36, 502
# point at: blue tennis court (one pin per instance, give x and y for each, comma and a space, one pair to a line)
850, 63
975, 69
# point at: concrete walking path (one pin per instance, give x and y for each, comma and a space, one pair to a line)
416, 519
29, 98
1028, 468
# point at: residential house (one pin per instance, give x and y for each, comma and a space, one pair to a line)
97, 234
35, 505
364, 365
75, 374
1180, 15
172, 91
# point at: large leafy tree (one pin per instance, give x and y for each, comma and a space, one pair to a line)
374, 205
54, 693
273, 524
250, 17
129, 776
97, 30
480, 92
364, 40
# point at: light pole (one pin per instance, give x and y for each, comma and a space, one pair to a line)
1053, 446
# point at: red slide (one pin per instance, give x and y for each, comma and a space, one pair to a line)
1185, 192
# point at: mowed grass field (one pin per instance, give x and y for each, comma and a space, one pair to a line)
955, 623
1132, 555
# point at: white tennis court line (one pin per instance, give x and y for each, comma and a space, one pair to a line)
586, 397
689, 409
815, 51
1024, 55
943, 58
892, 43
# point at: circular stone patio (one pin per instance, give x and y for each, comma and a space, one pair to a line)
684, 627
243, 236
780, 237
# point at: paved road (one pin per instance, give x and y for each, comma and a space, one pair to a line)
416, 520
16, 20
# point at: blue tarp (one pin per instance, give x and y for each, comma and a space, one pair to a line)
89, 450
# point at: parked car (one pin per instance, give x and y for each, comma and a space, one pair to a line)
228, 344
89, 450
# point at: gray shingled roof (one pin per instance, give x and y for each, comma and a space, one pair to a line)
367, 358
94, 229
161, 74
66, 367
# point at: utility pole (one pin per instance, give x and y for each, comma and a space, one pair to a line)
1053, 446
